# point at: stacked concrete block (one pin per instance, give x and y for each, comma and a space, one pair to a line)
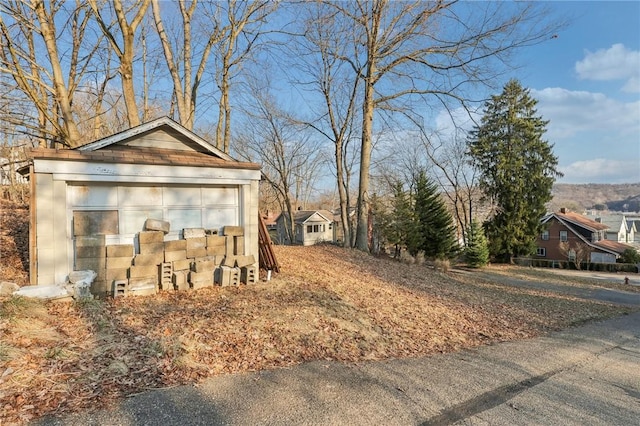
118, 261
202, 273
179, 280
235, 240
91, 255
216, 245
166, 271
120, 288
228, 276
249, 274
193, 233
196, 247
157, 225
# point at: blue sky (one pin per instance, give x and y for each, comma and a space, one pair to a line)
587, 82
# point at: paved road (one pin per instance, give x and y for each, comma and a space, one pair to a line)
586, 375
600, 294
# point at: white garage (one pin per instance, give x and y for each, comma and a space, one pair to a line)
110, 187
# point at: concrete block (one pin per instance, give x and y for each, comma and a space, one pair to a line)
117, 274
179, 280
91, 251
182, 264
175, 245
147, 290
95, 222
157, 225
198, 252
196, 243
238, 246
188, 233
249, 274
229, 276
100, 288
118, 262
96, 264
242, 261
204, 266
215, 241
148, 259
233, 231
166, 270
216, 250
152, 248
229, 246
143, 271
120, 250
172, 256
201, 277
90, 241
120, 288
229, 261
143, 282
147, 237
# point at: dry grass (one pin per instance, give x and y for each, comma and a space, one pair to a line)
329, 303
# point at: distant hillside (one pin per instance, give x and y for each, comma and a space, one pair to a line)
612, 197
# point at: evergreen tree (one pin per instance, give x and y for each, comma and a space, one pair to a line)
477, 252
398, 224
517, 169
434, 222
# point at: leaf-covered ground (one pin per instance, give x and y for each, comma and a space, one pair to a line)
328, 303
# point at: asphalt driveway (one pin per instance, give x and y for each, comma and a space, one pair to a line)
585, 375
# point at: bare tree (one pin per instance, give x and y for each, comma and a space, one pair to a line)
288, 156
241, 31
47, 67
318, 61
576, 253
123, 44
407, 52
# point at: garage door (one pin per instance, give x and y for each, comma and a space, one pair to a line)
209, 207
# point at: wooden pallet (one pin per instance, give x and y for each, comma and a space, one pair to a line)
267, 258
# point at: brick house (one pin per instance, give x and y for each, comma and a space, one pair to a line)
576, 230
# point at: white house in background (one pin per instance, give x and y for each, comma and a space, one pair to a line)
311, 227
621, 228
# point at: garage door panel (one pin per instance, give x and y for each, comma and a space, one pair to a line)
91, 196
139, 196
220, 196
132, 221
184, 218
182, 197
217, 218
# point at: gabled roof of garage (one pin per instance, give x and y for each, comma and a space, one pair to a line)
179, 131
158, 142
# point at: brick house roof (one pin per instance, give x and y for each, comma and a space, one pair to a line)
582, 220
612, 246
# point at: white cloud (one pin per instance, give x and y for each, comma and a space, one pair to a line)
614, 63
574, 112
602, 170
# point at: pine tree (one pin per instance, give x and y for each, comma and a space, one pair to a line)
398, 224
476, 253
517, 169
434, 222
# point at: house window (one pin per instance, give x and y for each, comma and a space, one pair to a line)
545, 235
563, 236
315, 228
571, 255
541, 251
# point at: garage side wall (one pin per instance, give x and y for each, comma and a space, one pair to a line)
52, 257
